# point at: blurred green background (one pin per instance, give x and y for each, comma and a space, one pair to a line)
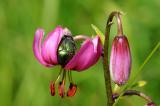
25, 82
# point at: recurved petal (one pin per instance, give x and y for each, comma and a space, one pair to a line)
87, 56
37, 47
50, 45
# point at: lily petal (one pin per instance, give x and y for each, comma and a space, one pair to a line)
87, 56
37, 47
50, 45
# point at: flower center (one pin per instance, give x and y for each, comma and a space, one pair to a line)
66, 50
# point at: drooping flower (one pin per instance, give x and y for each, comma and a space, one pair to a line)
59, 48
120, 60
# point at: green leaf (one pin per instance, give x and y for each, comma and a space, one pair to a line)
98, 32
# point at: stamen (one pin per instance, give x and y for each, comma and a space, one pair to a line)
69, 76
72, 87
61, 87
59, 75
52, 88
72, 90
52, 84
64, 75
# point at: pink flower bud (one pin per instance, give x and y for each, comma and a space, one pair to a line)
120, 60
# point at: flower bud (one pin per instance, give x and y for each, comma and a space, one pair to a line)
120, 60
52, 88
72, 90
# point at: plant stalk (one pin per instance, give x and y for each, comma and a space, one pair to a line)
108, 85
137, 93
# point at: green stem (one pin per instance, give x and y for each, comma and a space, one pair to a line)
108, 85
134, 92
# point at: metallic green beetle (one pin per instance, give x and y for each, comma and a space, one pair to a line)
66, 50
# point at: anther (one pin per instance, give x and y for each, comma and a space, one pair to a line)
61, 88
52, 88
72, 90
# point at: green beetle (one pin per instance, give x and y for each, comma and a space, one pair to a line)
66, 50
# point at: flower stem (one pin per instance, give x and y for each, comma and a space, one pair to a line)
108, 85
134, 92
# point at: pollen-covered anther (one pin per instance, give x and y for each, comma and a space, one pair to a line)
52, 88
61, 88
72, 90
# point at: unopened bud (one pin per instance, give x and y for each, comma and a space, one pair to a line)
120, 60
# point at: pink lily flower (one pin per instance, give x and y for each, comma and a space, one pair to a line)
59, 48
